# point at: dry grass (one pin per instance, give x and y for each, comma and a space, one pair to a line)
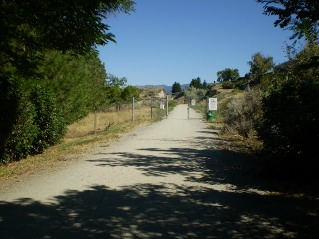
104, 121
78, 141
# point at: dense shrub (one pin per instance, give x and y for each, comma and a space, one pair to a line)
241, 115
194, 93
228, 85
31, 122
50, 124
16, 126
172, 103
290, 125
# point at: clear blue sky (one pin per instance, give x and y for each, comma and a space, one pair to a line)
165, 41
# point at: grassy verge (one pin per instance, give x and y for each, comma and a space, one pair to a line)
79, 140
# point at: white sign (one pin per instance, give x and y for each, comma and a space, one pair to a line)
162, 105
193, 102
212, 103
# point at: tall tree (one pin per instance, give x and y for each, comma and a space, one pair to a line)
77, 82
301, 16
112, 80
259, 65
227, 75
176, 87
196, 83
28, 27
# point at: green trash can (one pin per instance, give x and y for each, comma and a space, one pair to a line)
210, 116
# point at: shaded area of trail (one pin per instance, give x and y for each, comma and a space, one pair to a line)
168, 180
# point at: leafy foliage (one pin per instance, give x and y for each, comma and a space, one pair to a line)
77, 82
30, 27
16, 125
290, 123
305, 64
227, 75
300, 16
50, 73
259, 65
33, 122
48, 119
129, 92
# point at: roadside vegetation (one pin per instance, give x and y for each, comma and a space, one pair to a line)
80, 138
273, 111
56, 95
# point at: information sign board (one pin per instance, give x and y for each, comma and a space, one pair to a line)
212, 103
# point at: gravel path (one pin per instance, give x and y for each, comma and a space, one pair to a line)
166, 180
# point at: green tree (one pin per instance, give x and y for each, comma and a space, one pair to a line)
205, 85
29, 27
50, 44
289, 123
228, 75
176, 87
77, 82
129, 92
115, 87
196, 83
259, 65
305, 65
112, 80
300, 16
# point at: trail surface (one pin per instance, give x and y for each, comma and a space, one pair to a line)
166, 180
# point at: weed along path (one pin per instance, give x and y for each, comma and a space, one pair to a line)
170, 179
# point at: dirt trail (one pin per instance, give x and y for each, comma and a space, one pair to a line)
166, 180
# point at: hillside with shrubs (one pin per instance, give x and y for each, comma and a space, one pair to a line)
273, 108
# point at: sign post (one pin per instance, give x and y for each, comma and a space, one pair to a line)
211, 108
212, 104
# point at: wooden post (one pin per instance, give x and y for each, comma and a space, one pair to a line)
133, 109
166, 105
152, 108
95, 120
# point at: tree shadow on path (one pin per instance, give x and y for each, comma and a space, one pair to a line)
243, 208
159, 211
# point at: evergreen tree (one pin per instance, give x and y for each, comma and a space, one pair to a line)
176, 87
196, 83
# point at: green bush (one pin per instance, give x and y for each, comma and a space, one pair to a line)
228, 85
241, 115
48, 120
17, 127
290, 125
172, 103
31, 122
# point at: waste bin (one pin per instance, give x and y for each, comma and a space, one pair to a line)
210, 116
